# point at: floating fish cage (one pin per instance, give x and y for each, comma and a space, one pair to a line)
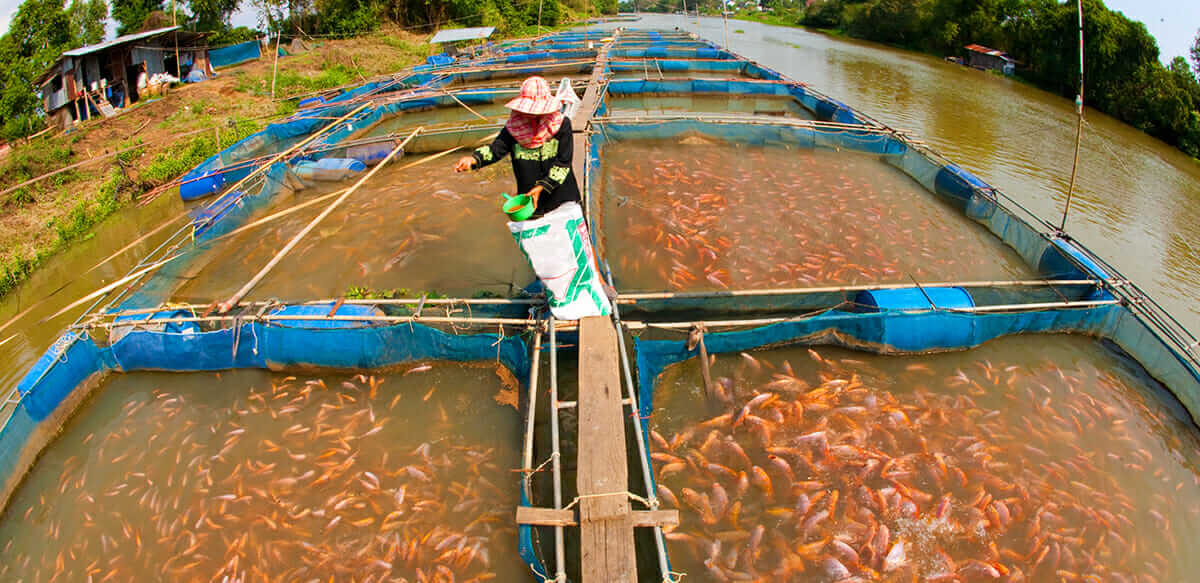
824, 330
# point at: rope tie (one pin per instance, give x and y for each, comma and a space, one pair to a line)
626, 493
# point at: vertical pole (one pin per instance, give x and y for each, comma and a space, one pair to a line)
275, 67
1078, 124
560, 555
176, 34
725, 16
539, 17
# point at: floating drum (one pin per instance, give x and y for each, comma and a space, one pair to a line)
328, 169
371, 154
201, 186
940, 330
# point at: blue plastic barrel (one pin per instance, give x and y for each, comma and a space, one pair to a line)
202, 186
328, 169
371, 154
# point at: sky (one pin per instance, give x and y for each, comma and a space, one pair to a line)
1172, 22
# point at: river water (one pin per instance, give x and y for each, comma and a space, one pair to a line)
1137, 200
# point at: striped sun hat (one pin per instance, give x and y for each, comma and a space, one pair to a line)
535, 98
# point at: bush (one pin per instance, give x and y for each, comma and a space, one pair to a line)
232, 36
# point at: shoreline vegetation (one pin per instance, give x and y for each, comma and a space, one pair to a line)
153, 142
1124, 77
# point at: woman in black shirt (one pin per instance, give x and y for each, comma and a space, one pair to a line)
539, 138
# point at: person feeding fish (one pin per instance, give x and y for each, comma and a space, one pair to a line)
549, 225
539, 138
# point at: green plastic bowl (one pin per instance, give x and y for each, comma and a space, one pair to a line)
518, 208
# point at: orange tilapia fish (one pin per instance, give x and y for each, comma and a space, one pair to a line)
873, 474
305, 480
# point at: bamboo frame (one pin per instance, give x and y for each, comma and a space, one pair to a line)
556, 456
642, 325
258, 277
633, 298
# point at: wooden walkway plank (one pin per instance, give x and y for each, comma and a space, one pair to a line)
606, 521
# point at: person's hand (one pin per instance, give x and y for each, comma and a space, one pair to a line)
464, 164
534, 193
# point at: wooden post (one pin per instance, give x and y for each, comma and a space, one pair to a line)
275, 67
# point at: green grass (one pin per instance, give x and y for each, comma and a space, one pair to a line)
31, 161
293, 83
118, 186
366, 293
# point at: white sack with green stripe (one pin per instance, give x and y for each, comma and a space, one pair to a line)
560, 251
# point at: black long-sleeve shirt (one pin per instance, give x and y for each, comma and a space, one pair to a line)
548, 166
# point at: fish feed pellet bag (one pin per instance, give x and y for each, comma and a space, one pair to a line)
560, 252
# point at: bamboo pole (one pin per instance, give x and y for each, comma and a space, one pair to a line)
227, 305
1078, 125
429, 303
267, 318
152, 232
275, 68
112, 286
527, 452
284, 154
971, 310
633, 298
465, 106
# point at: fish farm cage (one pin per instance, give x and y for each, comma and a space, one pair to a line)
642, 89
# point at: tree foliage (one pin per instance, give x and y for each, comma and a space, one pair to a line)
38, 32
131, 14
1195, 50
1123, 75
87, 20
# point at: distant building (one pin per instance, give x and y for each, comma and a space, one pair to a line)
98, 78
982, 57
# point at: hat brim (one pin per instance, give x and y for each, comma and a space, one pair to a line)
534, 106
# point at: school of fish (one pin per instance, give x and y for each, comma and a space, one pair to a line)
830, 469
694, 214
303, 480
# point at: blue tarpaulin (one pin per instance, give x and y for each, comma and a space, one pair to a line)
234, 54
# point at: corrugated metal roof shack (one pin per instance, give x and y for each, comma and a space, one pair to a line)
99, 78
985, 58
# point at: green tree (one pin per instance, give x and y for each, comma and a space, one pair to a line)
1196, 53
131, 14
37, 34
209, 15
87, 20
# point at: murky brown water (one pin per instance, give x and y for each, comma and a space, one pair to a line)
659, 104
423, 228
1042, 458
252, 475
689, 214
